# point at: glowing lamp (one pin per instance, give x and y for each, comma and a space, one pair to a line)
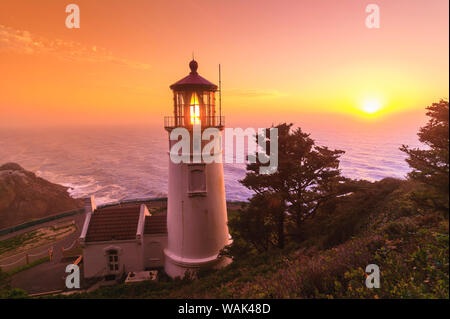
194, 109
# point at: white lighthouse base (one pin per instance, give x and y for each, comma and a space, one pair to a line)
176, 266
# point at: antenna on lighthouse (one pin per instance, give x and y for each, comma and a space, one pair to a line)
220, 97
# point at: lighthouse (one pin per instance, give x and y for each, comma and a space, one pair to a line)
196, 209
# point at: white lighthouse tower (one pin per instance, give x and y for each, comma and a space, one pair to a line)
196, 213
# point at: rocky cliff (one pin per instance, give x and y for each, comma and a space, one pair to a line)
24, 196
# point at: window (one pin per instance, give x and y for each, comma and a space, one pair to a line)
197, 179
179, 105
206, 107
113, 261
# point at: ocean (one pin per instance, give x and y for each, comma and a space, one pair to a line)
120, 163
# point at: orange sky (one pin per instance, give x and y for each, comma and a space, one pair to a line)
281, 60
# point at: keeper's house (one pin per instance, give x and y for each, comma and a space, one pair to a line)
122, 238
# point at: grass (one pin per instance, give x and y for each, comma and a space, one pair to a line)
16, 241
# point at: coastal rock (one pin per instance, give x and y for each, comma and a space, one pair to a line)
24, 196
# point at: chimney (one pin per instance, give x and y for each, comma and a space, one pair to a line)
89, 208
89, 204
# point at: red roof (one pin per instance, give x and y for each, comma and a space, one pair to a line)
113, 223
155, 224
193, 80
120, 222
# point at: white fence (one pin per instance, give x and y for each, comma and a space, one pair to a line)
25, 260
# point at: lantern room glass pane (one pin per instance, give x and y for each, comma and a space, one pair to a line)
194, 109
179, 108
206, 106
195, 114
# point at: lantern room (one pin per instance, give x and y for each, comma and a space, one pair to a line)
194, 102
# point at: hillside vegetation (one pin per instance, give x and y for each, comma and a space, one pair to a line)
378, 224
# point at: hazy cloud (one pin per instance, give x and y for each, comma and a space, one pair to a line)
23, 42
253, 93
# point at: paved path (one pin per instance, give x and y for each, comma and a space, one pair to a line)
49, 275
41, 278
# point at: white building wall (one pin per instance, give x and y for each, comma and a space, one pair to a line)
95, 257
154, 246
196, 223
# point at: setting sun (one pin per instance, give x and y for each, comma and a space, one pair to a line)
371, 106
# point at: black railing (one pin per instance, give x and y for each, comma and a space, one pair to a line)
182, 121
